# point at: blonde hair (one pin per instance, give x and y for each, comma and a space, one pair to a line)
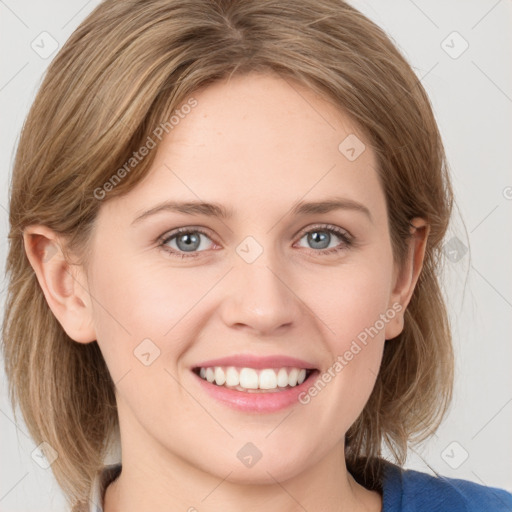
123, 72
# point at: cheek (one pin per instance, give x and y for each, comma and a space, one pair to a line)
135, 301
354, 312
351, 299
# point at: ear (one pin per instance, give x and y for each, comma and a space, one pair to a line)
64, 284
406, 279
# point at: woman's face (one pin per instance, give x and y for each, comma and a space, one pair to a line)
268, 281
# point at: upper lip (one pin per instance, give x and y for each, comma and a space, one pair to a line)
251, 361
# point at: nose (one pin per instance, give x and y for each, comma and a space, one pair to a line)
260, 300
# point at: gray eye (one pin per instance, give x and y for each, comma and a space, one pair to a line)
319, 239
187, 241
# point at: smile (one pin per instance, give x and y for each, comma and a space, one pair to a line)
251, 383
252, 380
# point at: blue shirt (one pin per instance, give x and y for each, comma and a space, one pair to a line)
403, 490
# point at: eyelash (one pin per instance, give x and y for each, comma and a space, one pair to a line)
347, 240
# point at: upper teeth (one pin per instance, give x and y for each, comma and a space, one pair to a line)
250, 378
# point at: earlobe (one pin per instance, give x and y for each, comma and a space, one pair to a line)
405, 280
395, 326
63, 284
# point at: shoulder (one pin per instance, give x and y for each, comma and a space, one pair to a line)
406, 490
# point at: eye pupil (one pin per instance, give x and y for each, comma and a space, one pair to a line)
191, 242
319, 237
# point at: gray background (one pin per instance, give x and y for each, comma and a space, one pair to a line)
471, 92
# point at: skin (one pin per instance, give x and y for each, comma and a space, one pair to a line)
256, 145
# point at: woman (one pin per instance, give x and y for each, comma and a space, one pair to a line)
226, 221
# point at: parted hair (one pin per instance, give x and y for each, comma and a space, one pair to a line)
123, 72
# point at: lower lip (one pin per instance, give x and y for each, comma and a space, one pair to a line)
260, 401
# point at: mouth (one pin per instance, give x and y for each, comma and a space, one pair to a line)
254, 380
255, 384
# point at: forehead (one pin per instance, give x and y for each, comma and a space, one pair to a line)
261, 117
257, 142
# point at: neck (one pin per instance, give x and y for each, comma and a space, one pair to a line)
154, 478
326, 486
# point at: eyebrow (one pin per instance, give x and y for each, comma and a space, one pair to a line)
220, 211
